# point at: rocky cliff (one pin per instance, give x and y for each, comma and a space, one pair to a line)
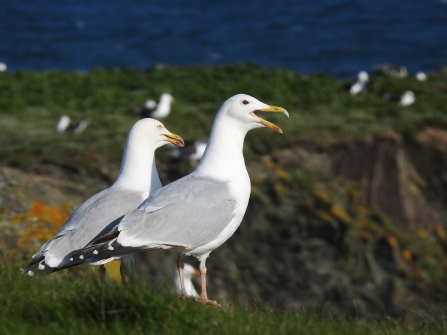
357, 227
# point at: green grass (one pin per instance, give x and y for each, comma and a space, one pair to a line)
320, 108
66, 304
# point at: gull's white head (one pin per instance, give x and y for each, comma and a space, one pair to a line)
164, 106
166, 97
189, 271
154, 132
242, 110
63, 123
363, 77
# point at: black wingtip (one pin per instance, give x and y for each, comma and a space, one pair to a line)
105, 250
38, 265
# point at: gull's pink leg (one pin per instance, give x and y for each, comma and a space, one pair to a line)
180, 266
203, 296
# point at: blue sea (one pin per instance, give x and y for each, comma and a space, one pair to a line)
339, 37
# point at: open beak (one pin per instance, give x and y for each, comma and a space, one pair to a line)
175, 139
270, 109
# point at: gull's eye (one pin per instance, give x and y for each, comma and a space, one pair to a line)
245, 102
159, 126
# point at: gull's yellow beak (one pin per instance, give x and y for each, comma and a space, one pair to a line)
175, 139
270, 109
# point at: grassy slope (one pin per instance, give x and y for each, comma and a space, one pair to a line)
320, 108
64, 304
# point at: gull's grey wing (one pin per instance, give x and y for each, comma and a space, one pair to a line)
189, 212
93, 218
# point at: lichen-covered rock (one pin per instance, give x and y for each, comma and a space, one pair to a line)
334, 237
34, 207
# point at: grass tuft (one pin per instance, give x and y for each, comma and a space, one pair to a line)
66, 304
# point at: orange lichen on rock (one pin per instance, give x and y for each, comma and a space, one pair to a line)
39, 224
407, 255
325, 217
392, 241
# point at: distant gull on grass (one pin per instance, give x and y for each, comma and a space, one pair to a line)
195, 214
360, 86
421, 76
397, 71
154, 110
192, 151
406, 99
137, 179
3, 67
65, 124
188, 273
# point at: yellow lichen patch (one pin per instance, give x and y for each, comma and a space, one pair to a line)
279, 190
325, 217
284, 175
340, 213
322, 195
440, 231
3, 211
413, 189
280, 172
421, 233
255, 191
39, 224
392, 241
407, 255
362, 210
365, 236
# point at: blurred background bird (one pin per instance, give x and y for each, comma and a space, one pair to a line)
65, 124
188, 273
361, 85
192, 151
153, 110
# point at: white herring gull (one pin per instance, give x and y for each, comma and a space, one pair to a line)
197, 213
160, 111
137, 179
188, 273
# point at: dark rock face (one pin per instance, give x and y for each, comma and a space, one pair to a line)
355, 228
321, 248
403, 178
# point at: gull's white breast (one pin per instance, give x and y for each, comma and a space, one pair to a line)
240, 191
